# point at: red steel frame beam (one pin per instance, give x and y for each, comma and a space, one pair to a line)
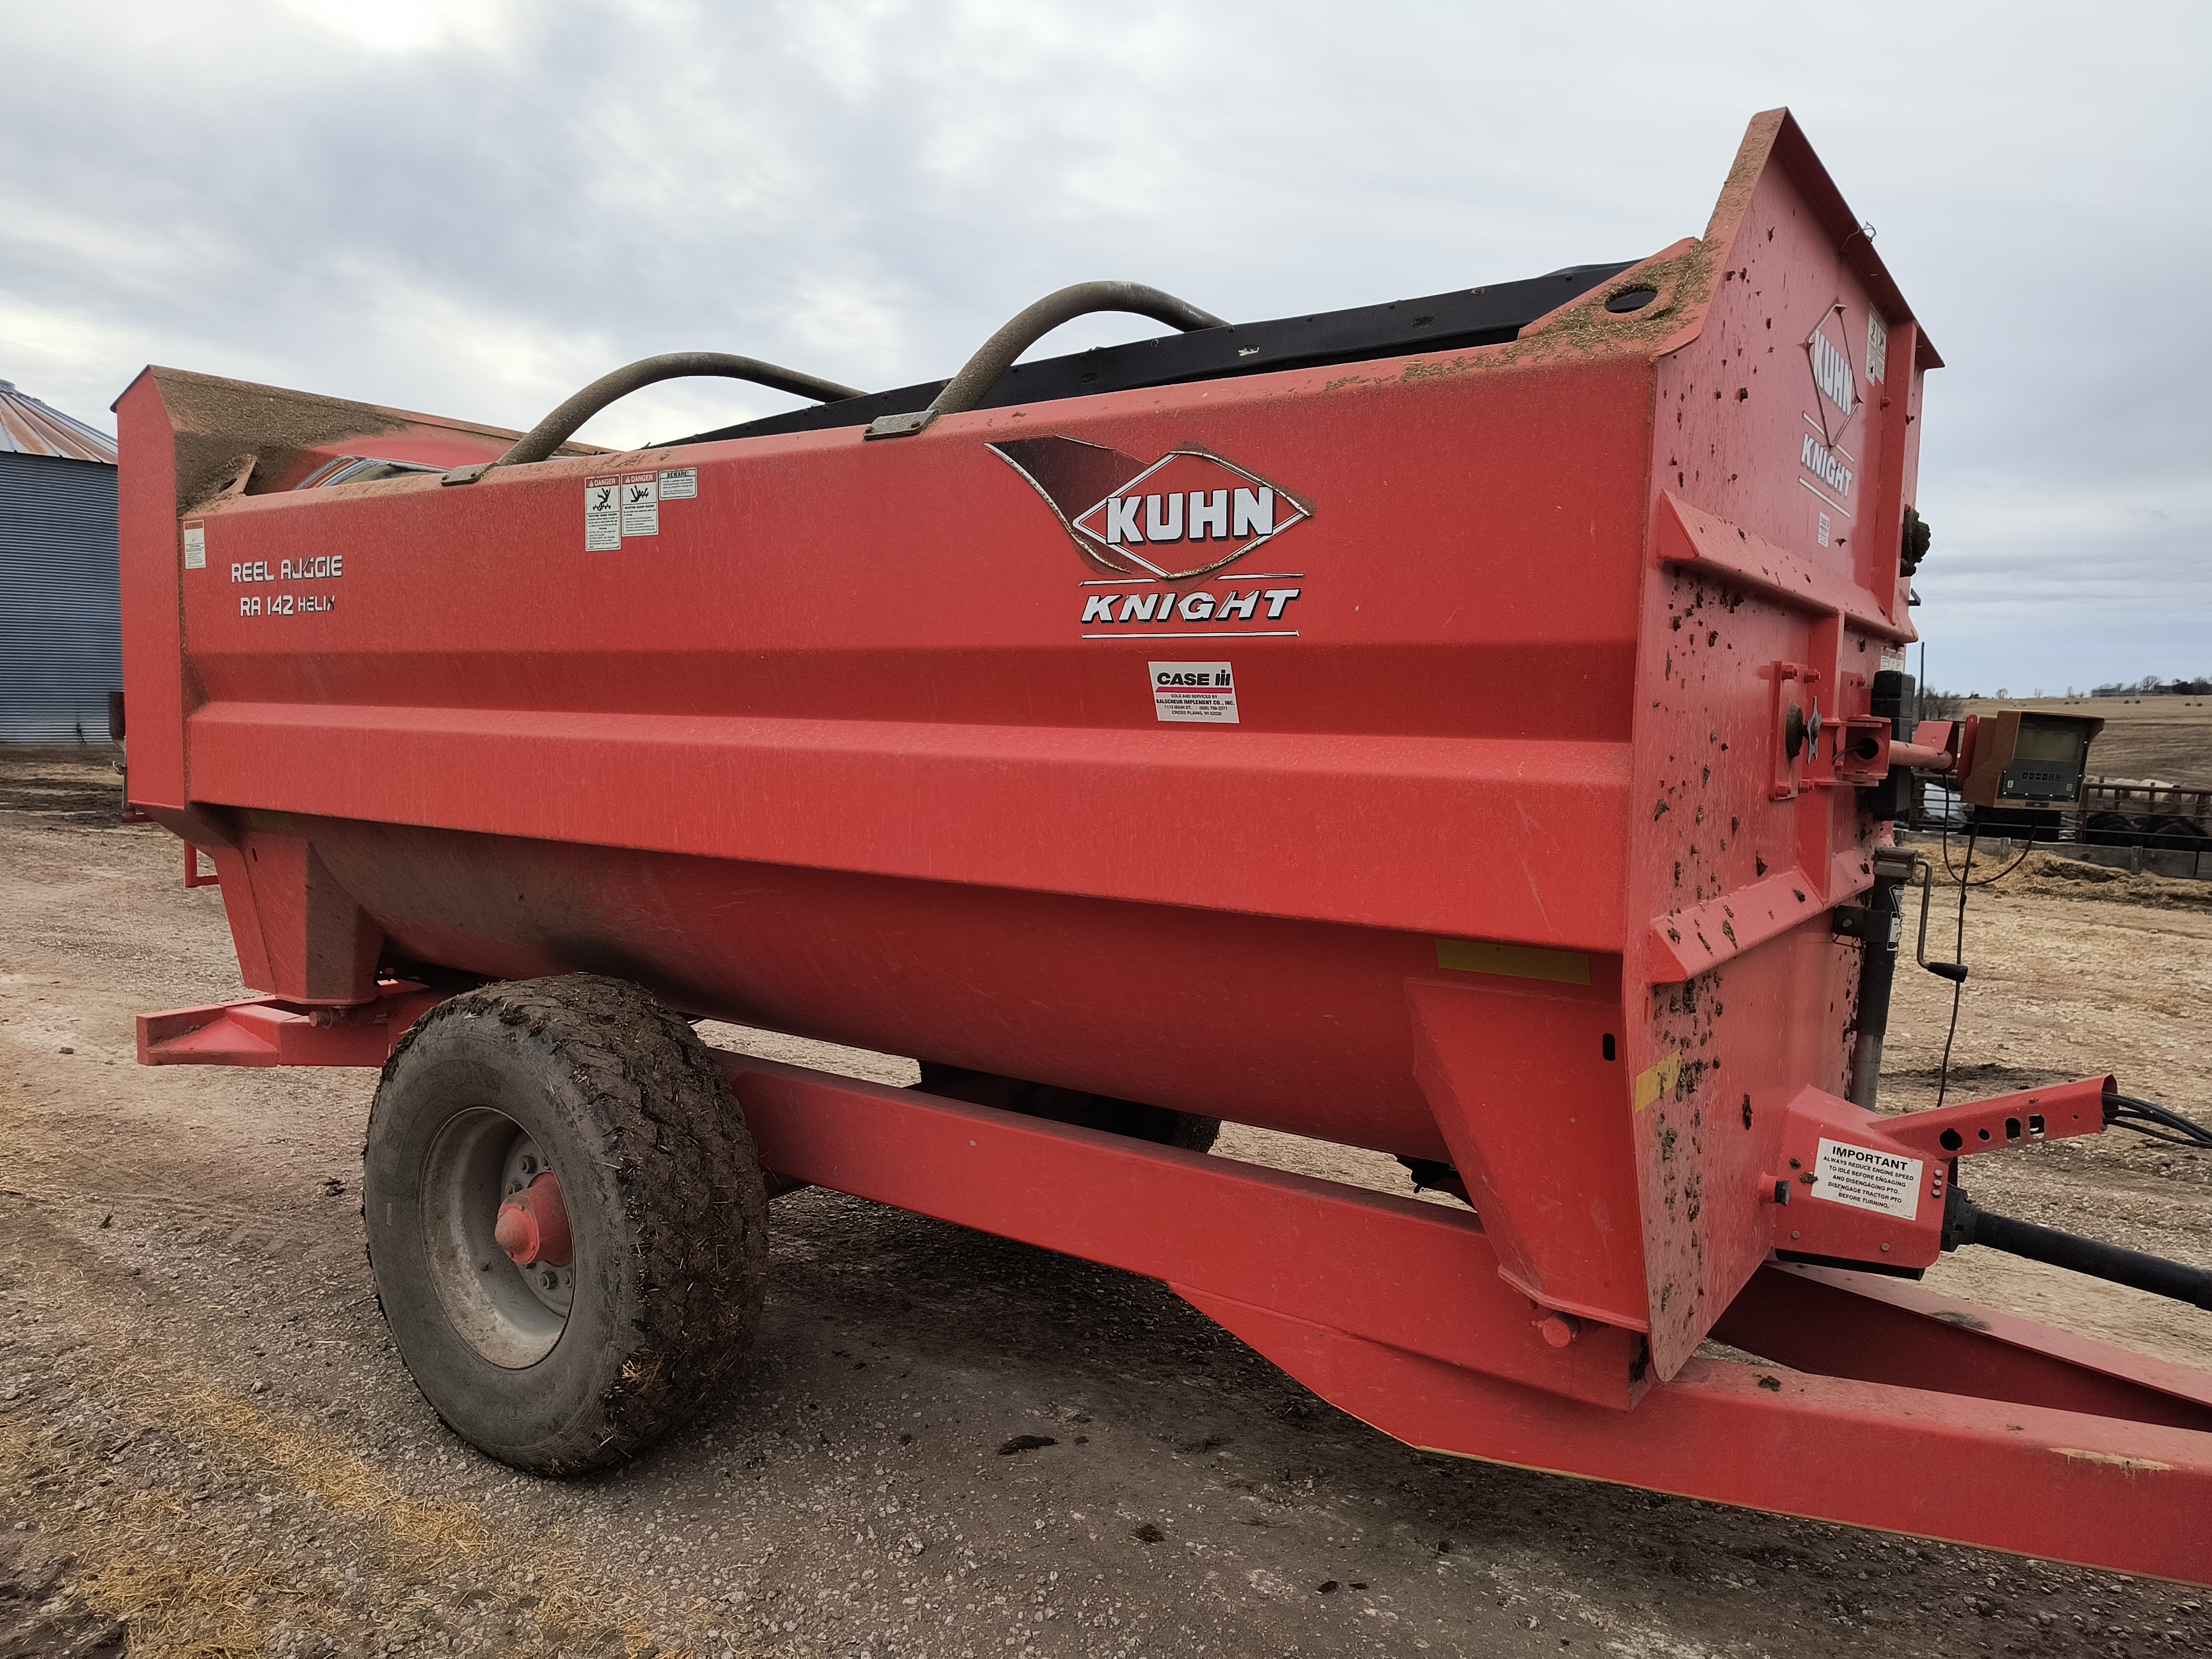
1878, 1329
1884, 1405
272, 1031
1393, 1311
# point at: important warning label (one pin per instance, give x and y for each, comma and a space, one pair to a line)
1866, 1180
195, 547
603, 516
640, 503
679, 483
1204, 691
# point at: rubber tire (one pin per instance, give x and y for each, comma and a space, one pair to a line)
1159, 1125
664, 1199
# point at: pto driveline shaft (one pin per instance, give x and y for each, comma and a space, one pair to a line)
2087, 1256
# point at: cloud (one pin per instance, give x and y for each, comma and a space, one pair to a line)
406, 27
474, 208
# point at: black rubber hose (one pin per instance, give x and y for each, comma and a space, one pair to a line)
2148, 1118
556, 429
2086, 1256
967, 390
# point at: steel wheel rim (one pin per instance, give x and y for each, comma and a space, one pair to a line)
507, 1313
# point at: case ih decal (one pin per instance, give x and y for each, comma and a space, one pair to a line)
1183, 517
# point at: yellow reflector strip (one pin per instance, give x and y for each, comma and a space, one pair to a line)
1650, 1084
1467, 956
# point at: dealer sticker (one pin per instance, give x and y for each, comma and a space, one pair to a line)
603, 516
1866, 1180
1200, 691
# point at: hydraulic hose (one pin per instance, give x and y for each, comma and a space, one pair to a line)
2148, 1118
556, 429
967, 390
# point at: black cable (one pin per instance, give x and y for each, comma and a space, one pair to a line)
1959, 951
2126, 1112
1964, 877
1987, 881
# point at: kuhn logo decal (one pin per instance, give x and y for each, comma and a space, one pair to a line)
1187, 514
1835, 381
1832, 373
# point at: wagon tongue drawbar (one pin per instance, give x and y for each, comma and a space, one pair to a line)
1469, 729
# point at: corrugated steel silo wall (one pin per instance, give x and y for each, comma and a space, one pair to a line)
61, 639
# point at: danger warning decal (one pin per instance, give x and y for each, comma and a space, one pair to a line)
627, 504
1184, 519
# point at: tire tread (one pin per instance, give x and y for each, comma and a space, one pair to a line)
691, 1185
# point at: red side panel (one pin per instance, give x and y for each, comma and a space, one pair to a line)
150, 549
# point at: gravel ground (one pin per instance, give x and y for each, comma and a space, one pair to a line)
946, 1444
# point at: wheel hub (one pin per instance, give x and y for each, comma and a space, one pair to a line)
533, 1224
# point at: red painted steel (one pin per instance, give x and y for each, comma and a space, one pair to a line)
1887, 1330
1519, 855
1922, 757
1401, 1272
1396, 1311
272, 1031
533, 1224
2057, 1485
1972, 1426
1909, 1157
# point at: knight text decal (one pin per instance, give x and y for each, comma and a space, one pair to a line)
1823, 463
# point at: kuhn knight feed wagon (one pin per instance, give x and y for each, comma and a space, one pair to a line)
1465, 728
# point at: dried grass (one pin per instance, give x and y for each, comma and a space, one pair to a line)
142, 1564
2051, 875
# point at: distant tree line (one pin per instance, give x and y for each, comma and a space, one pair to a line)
1951, 705
2151, 686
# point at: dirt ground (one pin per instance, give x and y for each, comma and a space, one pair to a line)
208, 1446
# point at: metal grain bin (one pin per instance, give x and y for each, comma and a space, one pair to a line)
61, 650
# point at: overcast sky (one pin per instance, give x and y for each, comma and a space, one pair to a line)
473, 208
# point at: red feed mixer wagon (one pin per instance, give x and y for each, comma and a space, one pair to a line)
1465, 729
